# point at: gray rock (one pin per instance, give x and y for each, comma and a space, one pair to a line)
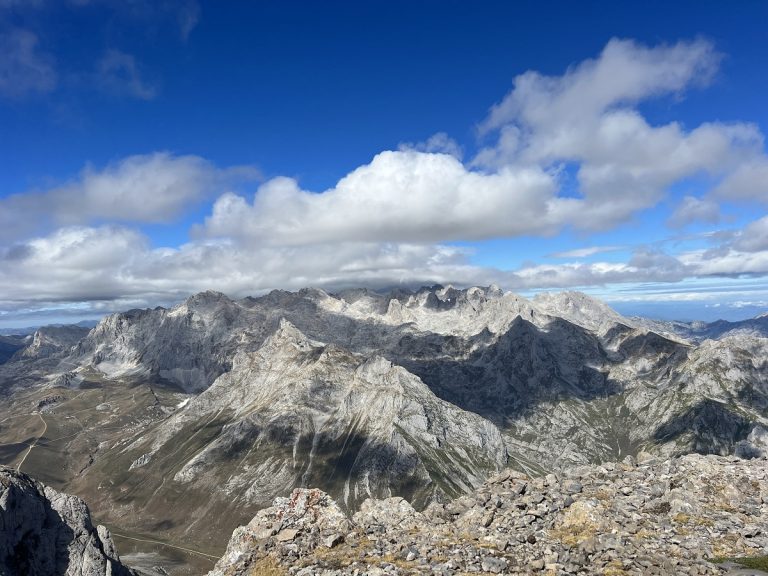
287, 535
494, 565
44, 532
573, 487
332, 540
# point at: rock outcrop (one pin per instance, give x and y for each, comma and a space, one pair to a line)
47, 533
638, 517
52, 340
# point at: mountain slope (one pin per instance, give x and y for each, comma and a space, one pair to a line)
296, 412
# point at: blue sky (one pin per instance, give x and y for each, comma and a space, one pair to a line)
153, 149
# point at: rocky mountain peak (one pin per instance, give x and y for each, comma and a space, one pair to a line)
47, 533
206, 298
314, 293
286, 332
51, 340
580, 309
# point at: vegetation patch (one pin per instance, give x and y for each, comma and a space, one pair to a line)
754, 562
267, 566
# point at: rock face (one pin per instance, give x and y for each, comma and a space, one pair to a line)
52, 340
46, 533
190, 345
297, 412
653, 517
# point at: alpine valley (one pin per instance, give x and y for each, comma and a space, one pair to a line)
178, 425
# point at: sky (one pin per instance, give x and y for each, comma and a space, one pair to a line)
153, 149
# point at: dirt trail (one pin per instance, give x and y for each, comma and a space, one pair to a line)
34, 443
214, 558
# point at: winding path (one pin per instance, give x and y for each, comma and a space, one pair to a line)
209, 556
34, 443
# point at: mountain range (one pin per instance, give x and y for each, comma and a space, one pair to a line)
181, 423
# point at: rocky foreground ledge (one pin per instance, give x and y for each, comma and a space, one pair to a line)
652, 517
47, 533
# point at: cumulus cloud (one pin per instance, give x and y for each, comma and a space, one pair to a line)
727, 263
624, 73
153, 188
693, 209
115, 263
402, 196
24, 68
588, 117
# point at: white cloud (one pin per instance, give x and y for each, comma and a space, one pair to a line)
626, 72
693, 209
584, 117
643, 266
754, 237
72, 264
24, 68
403, 196
727, 263
115, 263
749, 181
587, 117
153, 188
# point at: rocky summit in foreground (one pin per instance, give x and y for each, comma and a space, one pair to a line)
47, 533
653, 517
